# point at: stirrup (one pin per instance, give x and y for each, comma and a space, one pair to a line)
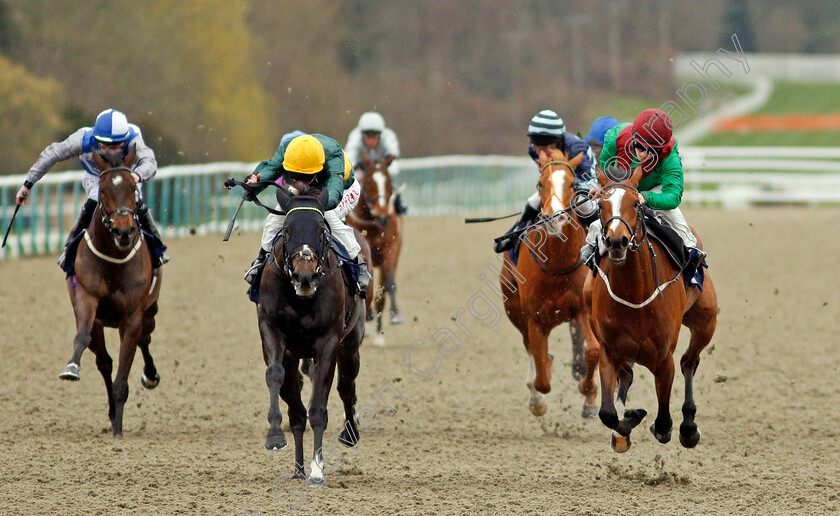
364, 274
252, 272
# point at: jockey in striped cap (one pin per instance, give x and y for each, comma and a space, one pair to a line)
547, 130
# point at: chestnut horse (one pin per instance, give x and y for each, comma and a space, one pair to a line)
638, 305
381, 226
546, 288
115, 287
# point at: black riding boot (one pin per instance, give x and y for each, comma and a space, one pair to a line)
364, 273
255, 266
148, 224
528, 214
82, 222
399, 207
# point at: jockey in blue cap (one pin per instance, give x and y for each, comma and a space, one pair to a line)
596, 134
113, 138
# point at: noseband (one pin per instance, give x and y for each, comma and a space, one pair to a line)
634, 230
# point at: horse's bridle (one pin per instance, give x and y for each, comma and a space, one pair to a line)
109, 217
634, 230
291, 257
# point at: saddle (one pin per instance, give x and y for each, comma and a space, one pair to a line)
156, 247
349, 271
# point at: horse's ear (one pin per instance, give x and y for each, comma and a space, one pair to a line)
574, 162
129, 160
635, 178
283, 198
101, 164
324, 199
366, 161
603, 178
389, 160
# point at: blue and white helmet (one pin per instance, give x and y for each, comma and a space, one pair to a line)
111, 127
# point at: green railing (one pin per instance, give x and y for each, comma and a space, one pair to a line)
190, 199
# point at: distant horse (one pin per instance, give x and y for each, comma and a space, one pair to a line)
381, 225
115, 287
546, 288
637, 307
307, 311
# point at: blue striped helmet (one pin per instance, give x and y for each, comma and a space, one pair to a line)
111, 127
546, 123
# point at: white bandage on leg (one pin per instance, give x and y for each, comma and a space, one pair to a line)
343, 233
349, 200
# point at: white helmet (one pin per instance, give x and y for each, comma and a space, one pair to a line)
371, 122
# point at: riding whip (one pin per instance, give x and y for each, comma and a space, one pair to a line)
10, 225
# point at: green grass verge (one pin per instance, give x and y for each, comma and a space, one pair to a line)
773, 139
799, 98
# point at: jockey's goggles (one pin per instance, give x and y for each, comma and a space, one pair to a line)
371, 133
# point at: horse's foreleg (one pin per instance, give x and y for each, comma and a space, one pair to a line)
539, 368
290, 392
592, 354
629, 418
130, 331
84, 307
664, 379
321, 384
150, 378
104, 363
348, 370
608, 414
273, 351
390, 273
702, 321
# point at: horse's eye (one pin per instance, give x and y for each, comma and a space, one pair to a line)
539, 186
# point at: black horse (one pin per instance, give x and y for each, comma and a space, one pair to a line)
307, 311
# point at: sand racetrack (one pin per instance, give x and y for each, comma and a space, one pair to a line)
462, 440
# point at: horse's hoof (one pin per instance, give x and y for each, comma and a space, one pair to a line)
275, 442
620, 443
316, 482
379, 340
538, 410
662, 438
299, 475
347, 438
589, 412
70, 372
150, 384
691, 440
396, 319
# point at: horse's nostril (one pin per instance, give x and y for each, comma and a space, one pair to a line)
625, 241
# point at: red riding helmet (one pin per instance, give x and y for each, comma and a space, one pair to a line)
652, 128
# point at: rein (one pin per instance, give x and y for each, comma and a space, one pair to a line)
635, 246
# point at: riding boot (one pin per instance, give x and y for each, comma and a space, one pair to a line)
364, 274
82, 222
588, 252
399, 207
528, 214
147, 223
255, 266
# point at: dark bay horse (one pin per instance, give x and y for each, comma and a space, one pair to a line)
307, 311
115, 287
381, 226
546, 288
638, 305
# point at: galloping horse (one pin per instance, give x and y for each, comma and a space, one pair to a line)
381, 225
547, 288
115, 286
307, 311
637, 310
